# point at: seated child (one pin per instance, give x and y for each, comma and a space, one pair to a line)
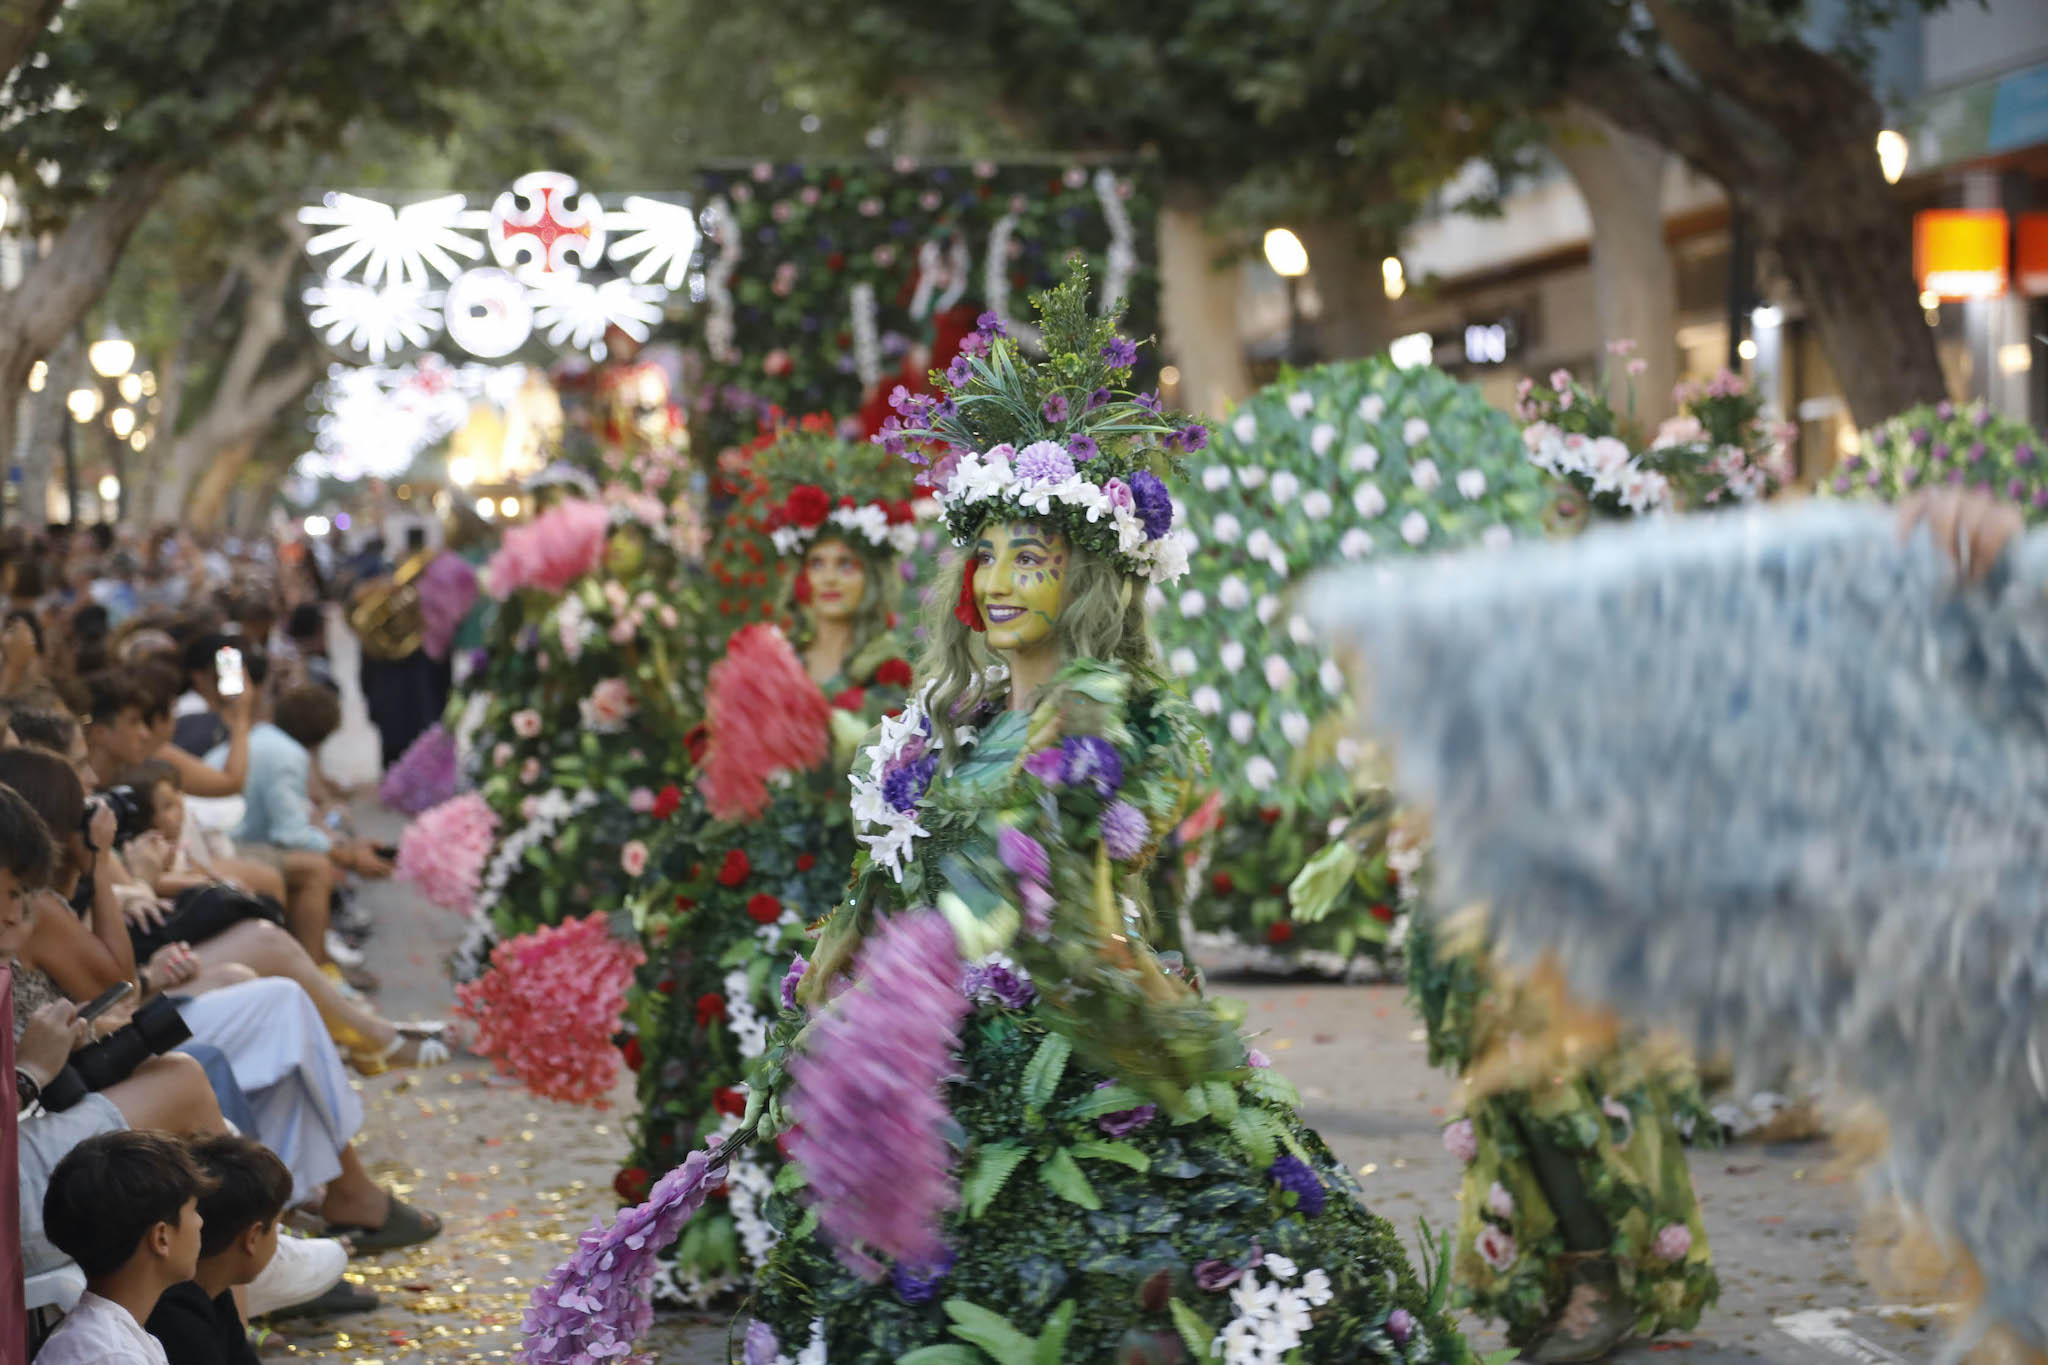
197, 1321
125, 1206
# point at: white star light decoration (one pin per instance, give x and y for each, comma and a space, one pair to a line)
386, 266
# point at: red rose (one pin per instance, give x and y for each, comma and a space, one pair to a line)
684, 903
852, 699
709, 1007
753, 551
632, 1184
901, 512
697, 738
846, 500
667, 801
807, 505
782, 1143
1279, 933
1383, 913
667, 985
764, 908
632, 1054
1271, 815
966, 611
805, 862
727, 1100
735, 868
894, 673
1221, 884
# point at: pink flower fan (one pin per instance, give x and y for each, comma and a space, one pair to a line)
552, 551
871, 1131
765, 716
423, 776
594, 1306
444, 850
547, 1008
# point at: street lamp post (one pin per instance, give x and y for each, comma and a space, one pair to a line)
1289, 259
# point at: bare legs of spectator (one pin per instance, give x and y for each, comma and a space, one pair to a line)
270, 951
309, 877
169, 1093
353, 1199
258, 878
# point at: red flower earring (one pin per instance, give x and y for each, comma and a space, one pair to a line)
964, 611
802, 591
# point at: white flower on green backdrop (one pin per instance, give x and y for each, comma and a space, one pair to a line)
1372, 407
1226, 528
1215, 478
1269, 607
1192, 603
1364, 458
1299, 402
1244, 426
1472, 483
1207, 700
1415, 431
1330, 676
1260, 772
1349, 751
1278, 672
1183, 662
1317, 505
1285, 486
1497, 537
1231, 655
1242, 726
1277, 561
1368, 499
1259, 544
1415, 528
1233, 594
1322, 438
1425, 475
1355, 543
1252, 475
1298, 630
1294, 728
1155, 600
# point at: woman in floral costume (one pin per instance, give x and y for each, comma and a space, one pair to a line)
759, 850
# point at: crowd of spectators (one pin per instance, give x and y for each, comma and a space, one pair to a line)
181, 947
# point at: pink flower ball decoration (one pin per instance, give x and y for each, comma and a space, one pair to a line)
640, 800
526, 724
549, 1005
1674, 1242
552, 551
1461, 1141
444, 850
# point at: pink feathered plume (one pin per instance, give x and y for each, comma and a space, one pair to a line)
871, 1121
552, 551
444, 849
765, 716
548, 1007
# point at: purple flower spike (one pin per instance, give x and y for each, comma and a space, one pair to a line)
1155, 504
1976, 451
1125, 830
791, 978
1121, 353
1292, 1173
1841, 484
1055, 408
2041, 497
1092, 759
2023, 455
1941, 451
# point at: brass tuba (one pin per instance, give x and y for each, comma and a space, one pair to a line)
386, 615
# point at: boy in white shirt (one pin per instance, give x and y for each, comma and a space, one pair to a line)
125, 1206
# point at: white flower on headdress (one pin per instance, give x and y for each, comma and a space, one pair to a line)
1251, 475
1193, 603
1425, 475
1299, 402
1269, 607
1242, 726
1497, 537
1169, 557
1215, 478
1372, 407
1155, 600
1207, 700
1244, 426
1225, 529
787, 539
1322, 438
1356, 544
1233, 594
1330, 676
1278, 672
1285, 486
1415, 528
1183, 662
1260, 772
1317, 505
1363, 459
1415, 431
1368, 499
1472, 483
1231, 655
1294, 727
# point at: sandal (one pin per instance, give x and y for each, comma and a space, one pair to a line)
423, 1038
404, 1226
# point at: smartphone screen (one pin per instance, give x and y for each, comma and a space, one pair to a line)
227, 669
107, 999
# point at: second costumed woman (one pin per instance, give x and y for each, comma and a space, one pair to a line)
759, 850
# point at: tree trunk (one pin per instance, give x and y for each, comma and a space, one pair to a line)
1344, 265
203, 510
21, 24
42, 451
147, 507
1198, 307
1635, 283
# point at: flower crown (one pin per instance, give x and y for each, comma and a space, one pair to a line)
1060, 441
816, 483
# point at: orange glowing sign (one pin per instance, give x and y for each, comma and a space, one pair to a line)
1960, 253
2032, 267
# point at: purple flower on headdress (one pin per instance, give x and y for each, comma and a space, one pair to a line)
1099, 398
920, 1283
904, 787
900, 399
974, 344
1055, 408
1120, 352
1292, 1173
1155, 504
1149, 401
762, 1347
1215, 1276
960, 372
999, 981
795, 974
1193, 437
1044, 462
1023, 855
1119, 494
1125, 830
991, 322
1083, 449
1048, 766
1092, 760
1125, 1122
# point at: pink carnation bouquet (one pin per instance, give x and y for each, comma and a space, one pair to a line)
765, 716
552, 551
444, 849
547, 1008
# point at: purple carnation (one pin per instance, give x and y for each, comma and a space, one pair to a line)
904, 787
1292, 1173
1216, 1276
1048, 766
1125, 1122
1055, 408
1023, 855
1125, 830
960, 372
1121, 353
795, 974
991, 322
1083, 449
1099, 398
920, 1283
762, 1347
1155, 504
1044, 462
1093, 760
1000, 981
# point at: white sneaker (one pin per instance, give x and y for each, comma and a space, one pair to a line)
304, 1268
340, 953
